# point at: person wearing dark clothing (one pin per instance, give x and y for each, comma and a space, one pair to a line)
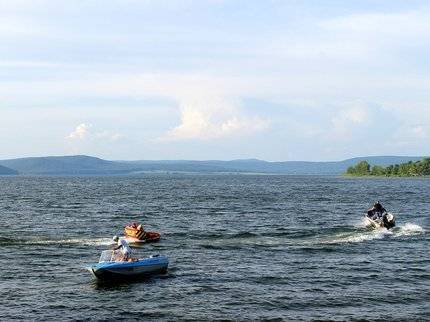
376, 212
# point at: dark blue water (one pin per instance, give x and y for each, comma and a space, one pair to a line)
241, 248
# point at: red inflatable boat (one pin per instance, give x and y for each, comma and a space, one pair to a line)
134, 233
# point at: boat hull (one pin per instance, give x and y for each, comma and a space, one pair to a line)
385, 222
149, 237
373, 223
128, 270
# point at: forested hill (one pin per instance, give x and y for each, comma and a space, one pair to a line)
407, 169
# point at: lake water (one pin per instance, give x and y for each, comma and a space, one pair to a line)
241, 247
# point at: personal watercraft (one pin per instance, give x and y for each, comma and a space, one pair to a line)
384, 220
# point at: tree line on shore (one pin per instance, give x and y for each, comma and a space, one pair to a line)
408, 169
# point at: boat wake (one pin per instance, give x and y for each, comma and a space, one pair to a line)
362, 234
243, 240
68, 242
357, 233
409, 229
358, 237
75, 241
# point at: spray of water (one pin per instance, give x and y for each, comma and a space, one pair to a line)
362, 234
409, 229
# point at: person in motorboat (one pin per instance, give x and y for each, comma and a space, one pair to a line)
125, 249
376, 212
378, 216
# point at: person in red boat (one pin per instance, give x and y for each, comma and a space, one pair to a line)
135, 233
140, 228
135, 230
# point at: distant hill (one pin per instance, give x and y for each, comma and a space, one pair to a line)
7, 171
259, 166
86, 165
66, 165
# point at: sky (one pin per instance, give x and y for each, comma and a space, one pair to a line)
273, 80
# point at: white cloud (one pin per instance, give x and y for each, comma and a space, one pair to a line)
81, 132
350, 117
213, 118
420, 131
207, 109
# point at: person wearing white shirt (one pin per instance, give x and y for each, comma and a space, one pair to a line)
123, 245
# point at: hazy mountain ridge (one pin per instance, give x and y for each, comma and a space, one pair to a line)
68, 165
7, 171
86, 165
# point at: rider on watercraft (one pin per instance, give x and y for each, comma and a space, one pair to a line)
123, 245
377, 211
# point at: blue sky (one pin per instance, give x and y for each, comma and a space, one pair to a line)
275, 80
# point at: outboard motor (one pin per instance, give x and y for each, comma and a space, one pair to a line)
388, 220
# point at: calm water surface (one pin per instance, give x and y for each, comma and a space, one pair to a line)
241, 248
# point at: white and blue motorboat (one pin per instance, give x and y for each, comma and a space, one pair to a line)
108, 268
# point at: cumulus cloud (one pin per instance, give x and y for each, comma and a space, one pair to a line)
213, 119
81, 132
350, 117
84, 132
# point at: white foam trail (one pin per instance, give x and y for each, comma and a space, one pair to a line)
75, 241
409, 229
360, 237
